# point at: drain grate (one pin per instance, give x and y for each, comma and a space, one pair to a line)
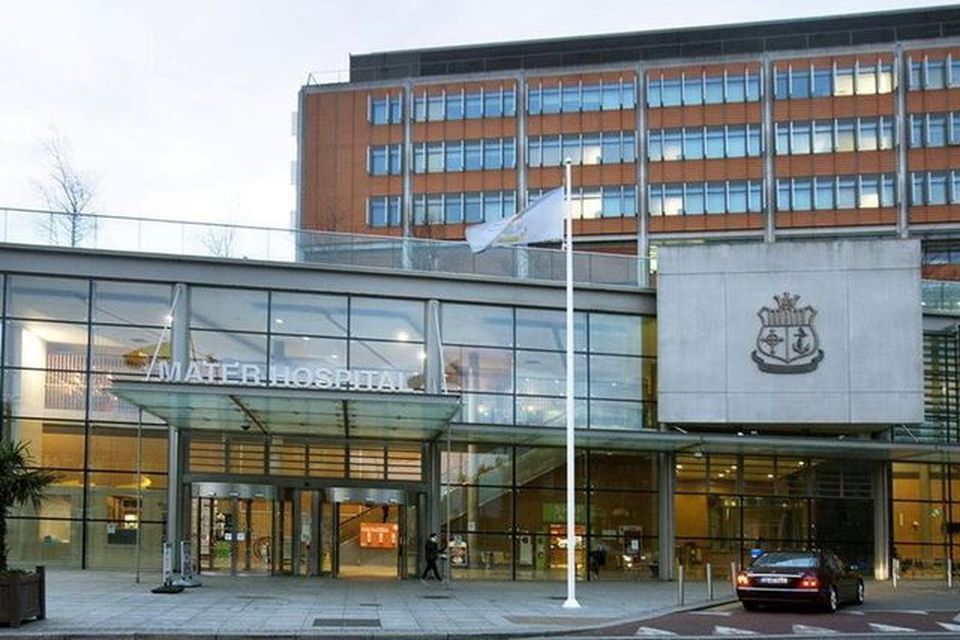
556, 597
437, 597
346, 622
368, 604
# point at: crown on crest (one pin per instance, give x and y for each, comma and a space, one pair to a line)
787, 312
786, 302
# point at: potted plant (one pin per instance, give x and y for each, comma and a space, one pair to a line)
22, 594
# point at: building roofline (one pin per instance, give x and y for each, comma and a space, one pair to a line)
874, 27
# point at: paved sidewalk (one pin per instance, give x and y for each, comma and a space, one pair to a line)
102, 604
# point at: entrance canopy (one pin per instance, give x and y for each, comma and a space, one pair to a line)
274, 411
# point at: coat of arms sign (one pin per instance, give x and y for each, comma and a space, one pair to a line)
787, 341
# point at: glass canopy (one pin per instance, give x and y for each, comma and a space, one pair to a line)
335, 413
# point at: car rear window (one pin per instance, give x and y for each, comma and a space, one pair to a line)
787, 561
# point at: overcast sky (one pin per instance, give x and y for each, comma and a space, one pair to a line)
182, 109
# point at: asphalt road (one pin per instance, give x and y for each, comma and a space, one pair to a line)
916, 611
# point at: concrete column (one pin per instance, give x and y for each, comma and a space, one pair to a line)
643, 231
180, 357
522, 266
769, 149
433, 364
901, 124
881, 520
406, 202
666, 520
432, 472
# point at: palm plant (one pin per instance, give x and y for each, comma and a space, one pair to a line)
19, 484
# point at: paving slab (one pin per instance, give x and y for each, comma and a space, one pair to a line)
105, 604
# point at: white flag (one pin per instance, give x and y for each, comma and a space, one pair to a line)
540, 222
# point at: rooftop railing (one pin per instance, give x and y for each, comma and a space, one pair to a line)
236, 242
941, 296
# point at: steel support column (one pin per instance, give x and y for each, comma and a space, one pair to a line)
666, 521
880, 480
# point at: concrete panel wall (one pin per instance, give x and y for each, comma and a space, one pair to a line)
865, 317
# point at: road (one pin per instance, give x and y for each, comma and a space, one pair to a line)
915, 611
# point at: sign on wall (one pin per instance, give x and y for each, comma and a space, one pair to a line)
379, 535
790, 333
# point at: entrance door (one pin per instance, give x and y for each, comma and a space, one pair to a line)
369, 540
234, 535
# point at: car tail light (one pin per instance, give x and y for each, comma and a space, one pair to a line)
743, 579
809, 581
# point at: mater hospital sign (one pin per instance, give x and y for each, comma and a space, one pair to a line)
236, 373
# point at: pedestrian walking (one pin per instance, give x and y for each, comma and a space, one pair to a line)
432, 552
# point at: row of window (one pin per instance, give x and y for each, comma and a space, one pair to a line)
608, 147
580, 96
807, 81
464, 155
385, 160
696, 143
795, 81
836, 192
385, 110
700, 88
456, 208
828, 136
695, 198
587, 203
934, 187
935, 129
483, 103
933, 74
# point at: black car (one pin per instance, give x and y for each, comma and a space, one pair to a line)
815, 577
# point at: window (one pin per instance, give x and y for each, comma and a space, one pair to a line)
866, 79
822, 83
868, 134
716, 142
435, 157
800, 83
843, 82
383, 211
800, 137
435, 105
385, 110
671, 92
936, 188
694, 202
716, 197
455, 110
936, 74
869, 192
692, 144
823, 136
473, 106
736, 142
384, 160
713, 93
472, 158
737, 197
846, 192
936, 130
846, 138
782, 135
823, 193
802, 194
692, 89
453, 156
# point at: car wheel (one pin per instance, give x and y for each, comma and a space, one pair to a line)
833, 601
750, 606
860, 592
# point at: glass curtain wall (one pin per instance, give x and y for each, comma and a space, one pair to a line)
507, 512
63, 339
926, 518
510, 366
729, 506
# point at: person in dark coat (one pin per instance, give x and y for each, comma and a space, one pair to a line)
433, 551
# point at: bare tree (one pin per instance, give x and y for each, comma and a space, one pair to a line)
69, 195
219, 241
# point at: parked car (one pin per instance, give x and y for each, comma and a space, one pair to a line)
815, 577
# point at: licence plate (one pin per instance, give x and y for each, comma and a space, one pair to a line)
773, 580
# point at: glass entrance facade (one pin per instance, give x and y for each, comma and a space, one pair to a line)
501, 501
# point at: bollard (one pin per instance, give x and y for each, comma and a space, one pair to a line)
709, 581
733, 575
949, 573
680, 585
895, 574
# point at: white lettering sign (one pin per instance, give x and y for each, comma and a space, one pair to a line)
236, 373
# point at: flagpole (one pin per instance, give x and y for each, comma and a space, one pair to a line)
571, 601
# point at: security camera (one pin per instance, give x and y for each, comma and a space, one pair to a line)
245, 425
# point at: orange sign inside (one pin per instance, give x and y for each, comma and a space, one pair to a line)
377, 535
